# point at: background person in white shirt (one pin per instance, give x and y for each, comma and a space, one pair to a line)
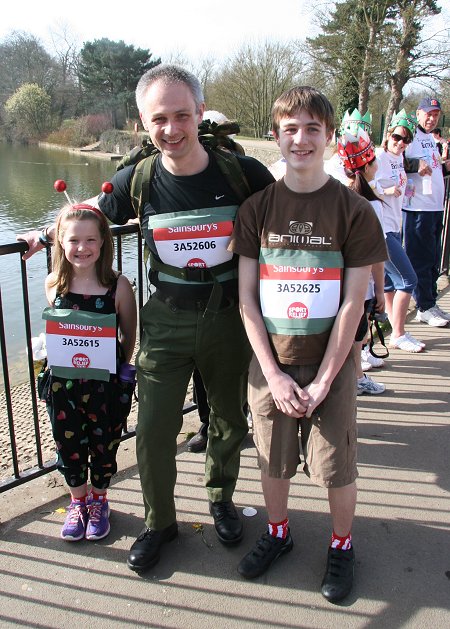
423, 214
391, 182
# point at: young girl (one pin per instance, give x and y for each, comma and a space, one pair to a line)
360, 165
400, 277
87, 414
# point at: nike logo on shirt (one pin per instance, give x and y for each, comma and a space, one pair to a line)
219, 196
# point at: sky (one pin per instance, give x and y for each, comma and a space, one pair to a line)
194, 28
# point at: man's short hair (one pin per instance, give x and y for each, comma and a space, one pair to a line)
168, 74
303, 98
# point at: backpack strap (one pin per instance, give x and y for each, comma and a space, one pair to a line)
141, 182
232, 170
140, 194
192, 274
189, 274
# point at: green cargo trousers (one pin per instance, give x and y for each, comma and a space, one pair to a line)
174, 341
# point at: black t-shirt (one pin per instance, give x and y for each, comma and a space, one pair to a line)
171, 193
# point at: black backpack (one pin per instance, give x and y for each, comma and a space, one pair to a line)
211, 135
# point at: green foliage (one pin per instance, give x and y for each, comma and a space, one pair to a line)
80, 131
29, 108
63, 136
114, 141
349, 49
72, 133
109, 72
368, 45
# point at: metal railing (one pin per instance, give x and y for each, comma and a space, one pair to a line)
445, 255
9, 414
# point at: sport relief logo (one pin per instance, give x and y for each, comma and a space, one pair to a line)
196, 263
81, 361
297, 310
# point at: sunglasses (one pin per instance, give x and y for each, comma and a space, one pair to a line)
397, 138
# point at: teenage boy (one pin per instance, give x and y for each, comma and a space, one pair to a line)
306, 245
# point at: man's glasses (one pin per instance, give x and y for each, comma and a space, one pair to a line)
404, 138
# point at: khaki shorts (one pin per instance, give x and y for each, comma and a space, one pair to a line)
328, 439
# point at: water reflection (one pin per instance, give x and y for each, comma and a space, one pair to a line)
29, 201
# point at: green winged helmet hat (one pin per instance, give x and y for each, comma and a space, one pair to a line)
351, 122
402, 119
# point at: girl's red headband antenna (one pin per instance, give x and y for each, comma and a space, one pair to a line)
60, 186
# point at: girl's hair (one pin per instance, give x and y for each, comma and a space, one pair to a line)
61, 266
391, 131
360, 184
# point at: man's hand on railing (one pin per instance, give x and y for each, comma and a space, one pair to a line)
34, 244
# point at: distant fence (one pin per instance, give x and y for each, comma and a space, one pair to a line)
446, 231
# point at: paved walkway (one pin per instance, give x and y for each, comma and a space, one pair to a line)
401, 532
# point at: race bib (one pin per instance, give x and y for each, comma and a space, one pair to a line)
80, 344
300, 290
198, 239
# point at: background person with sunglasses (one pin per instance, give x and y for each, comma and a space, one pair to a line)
423, 216
400, 279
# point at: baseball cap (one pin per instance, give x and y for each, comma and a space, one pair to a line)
428, 104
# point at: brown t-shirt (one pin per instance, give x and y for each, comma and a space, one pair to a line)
304, 242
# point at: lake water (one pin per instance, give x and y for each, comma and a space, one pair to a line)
29, 201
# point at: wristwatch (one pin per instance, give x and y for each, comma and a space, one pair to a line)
44, 238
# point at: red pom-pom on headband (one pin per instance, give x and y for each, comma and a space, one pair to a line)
60, 186
107, 187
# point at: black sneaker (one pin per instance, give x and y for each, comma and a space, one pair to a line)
227, 522
338, 579
266, 550
144, 553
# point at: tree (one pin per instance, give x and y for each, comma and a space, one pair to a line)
66, 94
348, 49
109, 72
375, 13
370, 44
414, 58
23, 59
203, 68
251, 80
29, 110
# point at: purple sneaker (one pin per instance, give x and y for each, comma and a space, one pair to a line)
75, 523
98, 523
